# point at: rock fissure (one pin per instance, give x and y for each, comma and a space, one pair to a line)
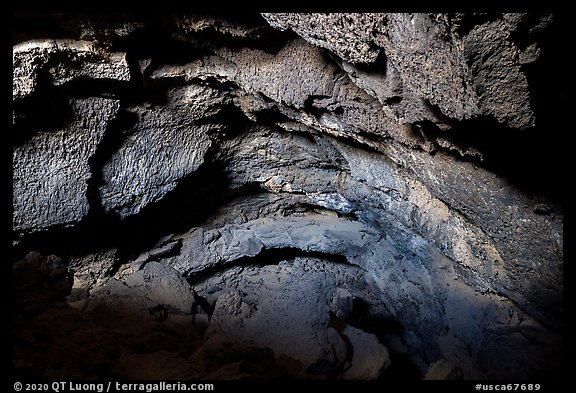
265, 257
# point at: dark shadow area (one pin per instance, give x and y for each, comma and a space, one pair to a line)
154, 41
362, 318
548, 73
52, 340
26, 26
222, 34
272, 256
116, 131
530, 159
400, 369
47, 110
86, 87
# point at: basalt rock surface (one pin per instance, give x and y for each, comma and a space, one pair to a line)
308, 196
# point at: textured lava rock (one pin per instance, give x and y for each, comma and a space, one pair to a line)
62, 61
369, 357
52, 169
463, 75
348, 35
165, 146
307, 340
237, 201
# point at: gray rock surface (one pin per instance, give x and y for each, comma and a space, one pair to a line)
155, 290
166, 146
51, 170
270, 294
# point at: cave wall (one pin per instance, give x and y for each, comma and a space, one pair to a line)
328, 196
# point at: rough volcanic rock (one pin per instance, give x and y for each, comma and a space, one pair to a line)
92, 270
153, 292
51, 169
348, 35
313, 234
258, 318
164, 146
187, 27
463, 74
63, 61
368, 196
315, 93
429, 63
501, 86
223, 243
369, 357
